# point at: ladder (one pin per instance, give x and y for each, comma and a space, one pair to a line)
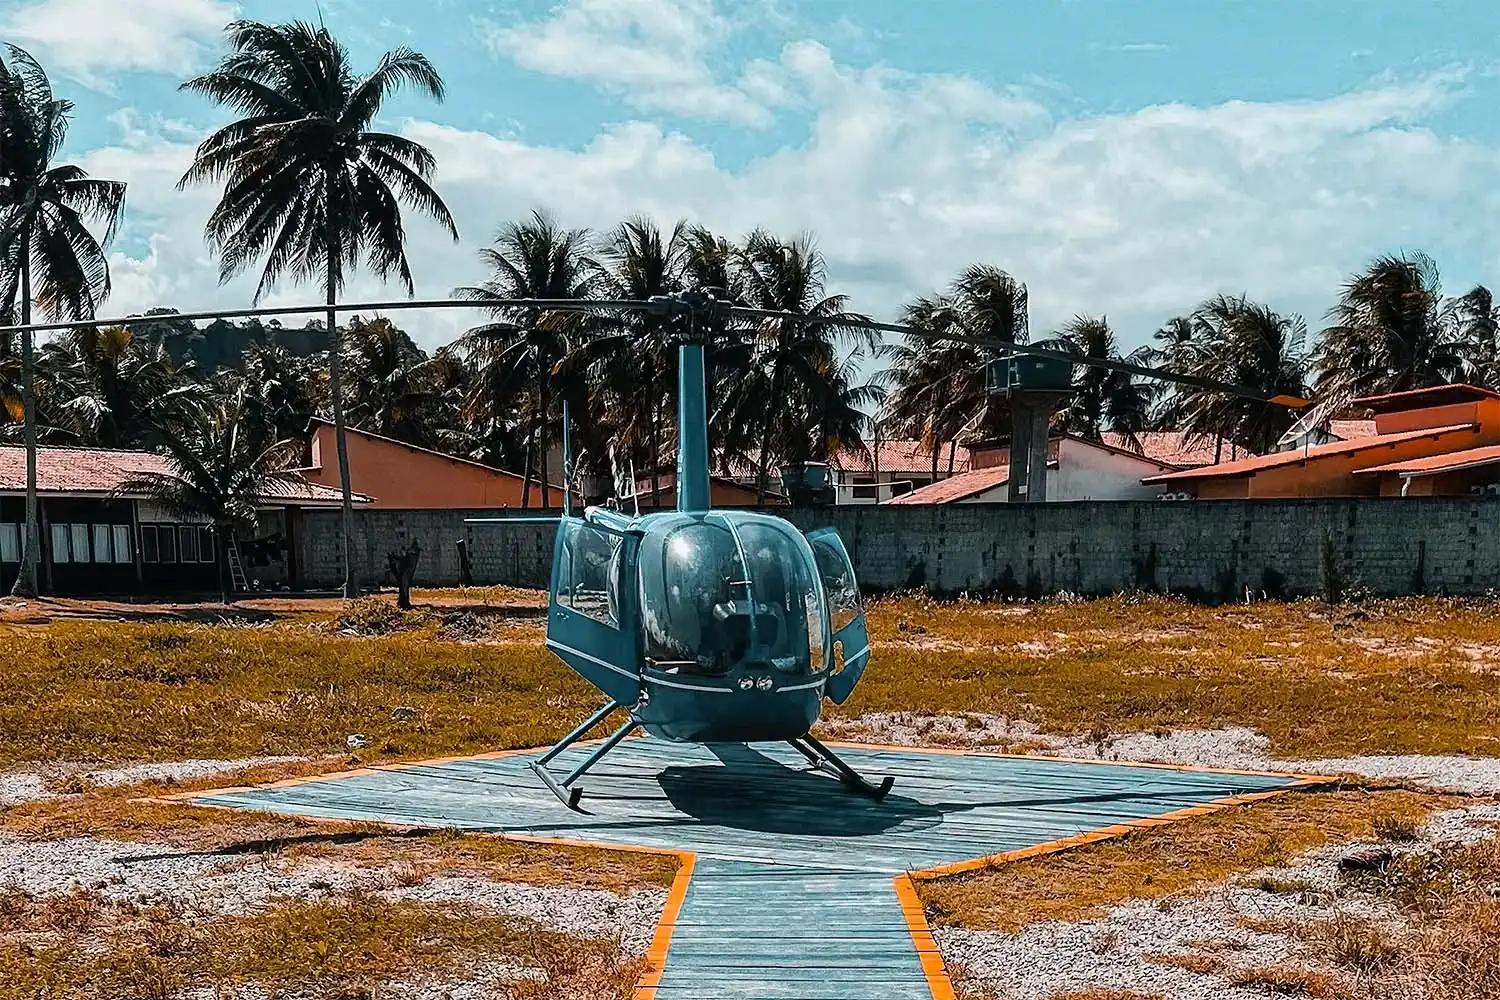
237, 568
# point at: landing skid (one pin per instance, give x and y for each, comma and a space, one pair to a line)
564, 788
824, 759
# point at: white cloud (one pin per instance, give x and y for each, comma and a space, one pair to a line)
89, 40
653, 53
906, 179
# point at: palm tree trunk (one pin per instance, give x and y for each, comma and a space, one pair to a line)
26, 579
654, 411
336, 391
952, 454
221, 557
541, 437
526, 471
765, 439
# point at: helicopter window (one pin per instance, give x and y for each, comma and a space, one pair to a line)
694, 599
789, 624
589, 577
839, 584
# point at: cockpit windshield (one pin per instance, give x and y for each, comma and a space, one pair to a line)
717, 592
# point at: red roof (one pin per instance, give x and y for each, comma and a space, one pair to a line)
958, 487
1433, 395
904, 456
104, 471
1348, 430
1174, 448
1447, 462
1260, 463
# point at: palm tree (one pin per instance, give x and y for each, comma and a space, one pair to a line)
1246, 344
394, 388
281, 390
1103, 400
307, 184
224, 465
517, 353
940, 386
631, 358
1475, 321
103, 383
795, 380
48, 256
1387, 333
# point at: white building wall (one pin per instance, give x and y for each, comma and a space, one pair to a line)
1086, 472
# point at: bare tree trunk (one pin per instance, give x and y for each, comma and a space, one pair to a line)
952, 454
26, 578
336, 392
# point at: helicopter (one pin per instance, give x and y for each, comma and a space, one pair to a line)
710, 626
717, 626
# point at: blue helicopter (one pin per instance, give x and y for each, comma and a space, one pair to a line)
708, 626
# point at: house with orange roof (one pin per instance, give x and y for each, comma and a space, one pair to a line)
99, 535
1079, 469
1432, 441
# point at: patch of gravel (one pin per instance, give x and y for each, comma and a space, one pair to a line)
1236, 924
182, 770
208, 885
583, 912
1234, 746
17, 787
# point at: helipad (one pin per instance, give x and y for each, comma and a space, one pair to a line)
792, 886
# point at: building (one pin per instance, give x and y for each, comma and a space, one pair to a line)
403, 476
1078, 469
97, 537
723, 491
1434, 441
888, 469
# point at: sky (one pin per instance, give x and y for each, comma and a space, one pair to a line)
1126, 159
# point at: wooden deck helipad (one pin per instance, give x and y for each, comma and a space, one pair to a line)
793, 886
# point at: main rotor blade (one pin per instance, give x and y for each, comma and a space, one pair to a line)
395, 305
1005, 348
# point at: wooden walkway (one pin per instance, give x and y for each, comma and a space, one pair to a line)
793, 887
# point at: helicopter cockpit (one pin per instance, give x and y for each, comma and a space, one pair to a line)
719, 591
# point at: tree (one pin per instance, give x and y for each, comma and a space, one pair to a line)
1103, 400
795, 381
103, 383
940, 386
632, 360
516, 354
281, 390
224, 465
308, 185
1388, 333
48, 256
394, 389
1246, 344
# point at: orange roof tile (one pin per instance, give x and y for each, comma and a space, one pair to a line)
1432, 395
1166, 447
105, 471
1260, 463
957, 487
1447, 462
1350, 429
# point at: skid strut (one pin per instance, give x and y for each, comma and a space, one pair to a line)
563, 789
824, 759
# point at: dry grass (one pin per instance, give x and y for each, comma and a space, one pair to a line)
348, 947
1415, 675
1161, 862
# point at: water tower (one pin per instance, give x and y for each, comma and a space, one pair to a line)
1034, 387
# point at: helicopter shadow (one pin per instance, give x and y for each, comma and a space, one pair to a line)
752, 791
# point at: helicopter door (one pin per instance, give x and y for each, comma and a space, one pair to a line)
846, 614
583, 622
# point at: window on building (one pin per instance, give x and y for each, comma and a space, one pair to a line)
80, 537
205, 544
62, 552
187, 543
121, 539
149, 551
10, 543
102, 536
167, 537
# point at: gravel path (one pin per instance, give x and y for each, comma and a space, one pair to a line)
17, 787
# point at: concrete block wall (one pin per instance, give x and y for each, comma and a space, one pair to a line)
1209, 550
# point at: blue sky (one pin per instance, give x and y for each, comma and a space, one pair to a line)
1121, 158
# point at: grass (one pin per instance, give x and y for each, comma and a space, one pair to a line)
1413, 675
1158, 863
86, 948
